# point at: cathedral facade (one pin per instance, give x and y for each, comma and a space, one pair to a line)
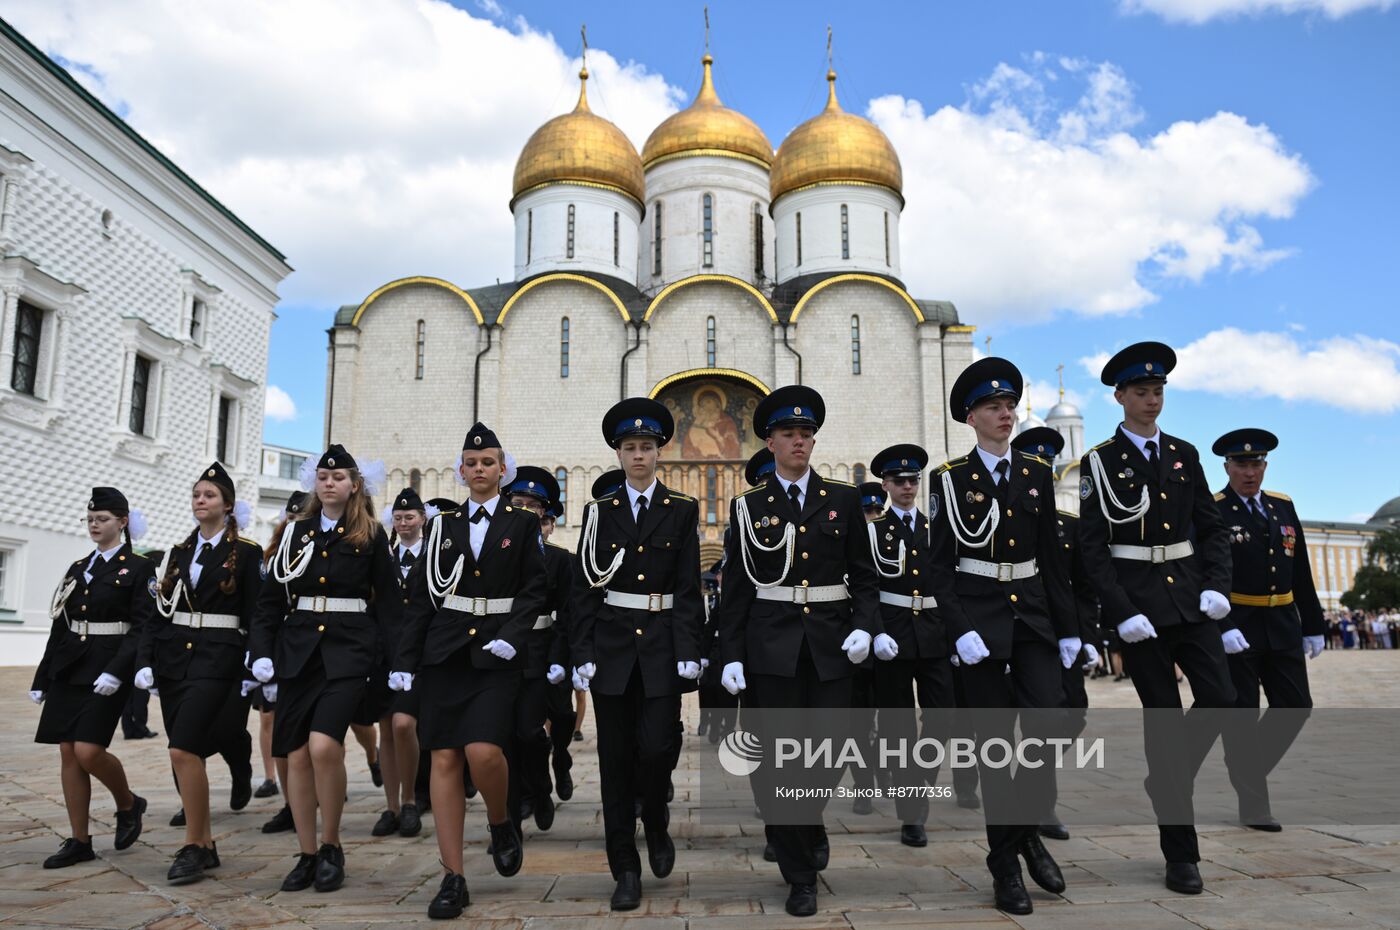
704, 271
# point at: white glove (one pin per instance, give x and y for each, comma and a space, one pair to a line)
733, 677
37, 697
857, 646
1069, 650
579, 681
586, 671
1136, 628
555, 674
400, 681
1313, 646
954, 659
885, 647
500, 649
248, 660
144, 678
106, 685
704, 664
270, 693
1234, 641
1093, 655
1214, 605
688, 670
247, 687
971, 649
263, 670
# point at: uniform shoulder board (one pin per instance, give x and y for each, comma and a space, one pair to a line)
599, 500
1280, 495
1102, 444
1034, 457
880, 518
251, 542
679, 496
950, 464
1220, 495
751, 490
844, 484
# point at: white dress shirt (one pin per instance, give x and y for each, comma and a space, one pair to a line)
195, 568
633, 495
1142, 441
801, 487
990, 460
416, 549
327, 524
477, 531
106, 557
899, 515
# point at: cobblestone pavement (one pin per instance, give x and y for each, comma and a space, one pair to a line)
1313, 878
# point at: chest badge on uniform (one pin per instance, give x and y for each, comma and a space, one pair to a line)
1127, 473
763, 522
979, 497
305, 538
971, 497
152, 586
1289, 538
1239, 534
1086, 488
932, 506
1176, 466
774, 521
831, 515
505, 543
123, 571
1034, 492
446, 544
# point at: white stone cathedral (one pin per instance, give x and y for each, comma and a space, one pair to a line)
703, 272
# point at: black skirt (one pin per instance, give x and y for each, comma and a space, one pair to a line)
377, 699
75, 714
406, 702
192, 708
459, 704
311, 702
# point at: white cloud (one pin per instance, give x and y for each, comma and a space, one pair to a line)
278, 404
1022, 202
1200, 11
367, 139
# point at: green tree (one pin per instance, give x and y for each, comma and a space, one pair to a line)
1377, 583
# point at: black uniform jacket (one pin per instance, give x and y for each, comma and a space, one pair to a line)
551, 646
511, 565
831, 548
120, 591
349, 643
1086, 604
1272, 563
1181, 507
920, 634
662, 556
181, 652
1026, 531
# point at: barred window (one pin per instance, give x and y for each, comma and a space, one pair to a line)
757, 242
799, 238
529, 235
617, 241
29, 327
564, 347
855, 345
656, 239
140, 387
887, 237
708, 222
561, 475
570, 247
420, 350
845, 232
710, 342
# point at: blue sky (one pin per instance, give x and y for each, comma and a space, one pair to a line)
1292, 319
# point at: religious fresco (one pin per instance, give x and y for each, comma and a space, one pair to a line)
713, 421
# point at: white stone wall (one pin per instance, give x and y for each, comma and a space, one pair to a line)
676, 339
740, 195
542, 232
820, 207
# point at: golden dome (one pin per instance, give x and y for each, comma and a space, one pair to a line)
707, 127
835, 147
580, 148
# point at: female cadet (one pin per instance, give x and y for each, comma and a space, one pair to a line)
265, 700
84, 677
331, 580
193, 650
476, 595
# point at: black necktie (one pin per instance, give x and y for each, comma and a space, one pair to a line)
794, 493
1257, 513
481, 514
1151, 447
1002, 481
204, 551
909, 522
406, 559
641, 508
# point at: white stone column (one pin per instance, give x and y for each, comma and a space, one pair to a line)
7, 334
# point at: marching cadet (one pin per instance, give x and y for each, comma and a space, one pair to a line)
635, 632
193, 651
559, 703
1275, 604
265, 698
800, 602
1008, 608
1158, 555
1046, 443
98, 611
913, 650
471, 604
863, 777
873, 500
330, 597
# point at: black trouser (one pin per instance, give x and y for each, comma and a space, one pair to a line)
136, 713
964, 778
863, 696
1176, 746
895, 687
529, 753
1251, 754
635, 736
796, 844
563, 720
1032, 689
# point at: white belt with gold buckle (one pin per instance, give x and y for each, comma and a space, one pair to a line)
998, 571
110, 628
1153, 554
820, 594
915, 602
202, 621
478, 606
653, 603
332, 605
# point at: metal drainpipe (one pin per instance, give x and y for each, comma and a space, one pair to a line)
796, 353
637, 331
330, 390
476, 374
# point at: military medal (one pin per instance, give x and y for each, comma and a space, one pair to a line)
1127, 473
971, 497
980, 497
774, 521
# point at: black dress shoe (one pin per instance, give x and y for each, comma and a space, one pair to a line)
178, 820
1042, 866
1184, 878
563, 784
387, 823
451, 898
143, 733
376, 775
628, 893
544, 813
578, 736
1011, 895
410, 823
241, 793
212, 853
769, 853
913, 834
330, 867
822, 853
801, 900
302, 874
670, 792
862, 805
527, 808
661, 852
71, 852
281, 821
970, 801
266, 790
470, 790
189, 865
506, 851
129, 823
715, 736
1053, 830
1266, 823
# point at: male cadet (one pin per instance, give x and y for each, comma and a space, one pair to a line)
560, 710
800, 601
1158, 555
914, 647
1046, 443
635, 632
863, 777
1009, 611
1276, 608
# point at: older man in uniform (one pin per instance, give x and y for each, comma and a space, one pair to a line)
1274, 603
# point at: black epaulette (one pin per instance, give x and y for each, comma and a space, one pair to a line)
1102, 444
846, 484
680, 496
752, 489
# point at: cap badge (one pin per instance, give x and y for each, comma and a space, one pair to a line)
330, 462
797, 411
996, 384
637, 422
476, 440
904, 461
532, 484
1248, 447
1149, 366
211, 473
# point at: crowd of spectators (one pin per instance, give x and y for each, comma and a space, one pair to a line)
1358, 629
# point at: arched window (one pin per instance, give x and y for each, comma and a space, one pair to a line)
855, 345
570, 248
887, 237
858, 475
419, 349
617, 241
529, 235
415, 481
710, 342
712, 495
757, 242
656, 239
708, 225
564, 347
561, 475
845, 232
799, 238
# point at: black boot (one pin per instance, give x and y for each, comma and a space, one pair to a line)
376, 775
1011, 896
241, 792
267, 789
71, 852
189, 865
661, 852
913, 834
387, 823
330, 867
281, 821
302, 874
451, 898
1184, 878
1054, 830
1042, 866
506, 851
822, 853
129, 823
410, 824
801, 900
628, 893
